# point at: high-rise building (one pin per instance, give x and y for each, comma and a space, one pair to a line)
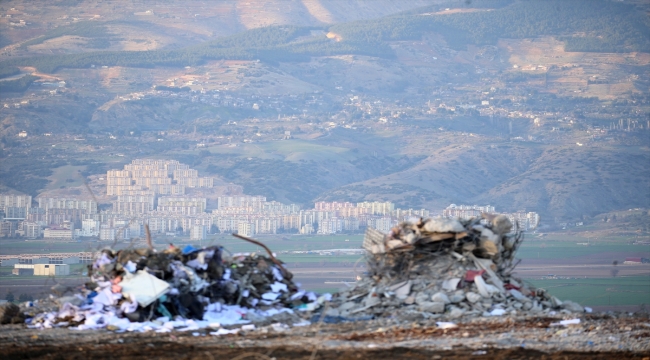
198, 232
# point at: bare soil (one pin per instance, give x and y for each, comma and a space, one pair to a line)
597, 337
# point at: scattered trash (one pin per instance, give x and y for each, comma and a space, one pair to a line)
566, 322
435, 268
446, 325
497, 312
179, 289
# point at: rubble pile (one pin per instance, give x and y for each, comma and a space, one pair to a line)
187, 289
443, 268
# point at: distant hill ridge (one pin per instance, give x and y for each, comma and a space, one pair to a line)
605, 27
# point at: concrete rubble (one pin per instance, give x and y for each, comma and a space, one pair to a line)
447, 269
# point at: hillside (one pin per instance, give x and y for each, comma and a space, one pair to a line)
529, 105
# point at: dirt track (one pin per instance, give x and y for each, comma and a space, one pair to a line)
597, 337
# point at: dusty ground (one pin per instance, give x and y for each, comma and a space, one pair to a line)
597, 337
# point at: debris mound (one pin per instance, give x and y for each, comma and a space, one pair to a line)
189, 288
443, 268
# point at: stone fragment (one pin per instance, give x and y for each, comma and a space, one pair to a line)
421, 298
433, 307
478, 307
489, 235
371, 300
518, 295
410, 300
402, 290
486, 290
555, 302
456, 298
456, 313
473, 297
347, 306
440, 297
450, 284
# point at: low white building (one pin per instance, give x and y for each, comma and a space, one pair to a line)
51, 269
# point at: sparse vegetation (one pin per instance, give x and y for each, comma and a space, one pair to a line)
18, 85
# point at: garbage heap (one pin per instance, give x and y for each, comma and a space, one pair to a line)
443, 268
141, 289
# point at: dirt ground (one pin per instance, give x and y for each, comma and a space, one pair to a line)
597, 337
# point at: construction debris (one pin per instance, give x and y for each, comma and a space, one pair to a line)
444, 268
183, 289
433, 269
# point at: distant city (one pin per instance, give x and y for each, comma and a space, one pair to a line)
158, 193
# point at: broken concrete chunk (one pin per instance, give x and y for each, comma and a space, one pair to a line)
472, 297
486, 290
556, 303
489, 235
456, 312
440, 297
456, 298
450, 284
443, 225
372, 299
432, 307
421, 298
402, 290
518, 295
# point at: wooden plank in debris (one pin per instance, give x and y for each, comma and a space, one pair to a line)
437, 237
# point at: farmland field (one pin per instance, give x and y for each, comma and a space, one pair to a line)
633, 290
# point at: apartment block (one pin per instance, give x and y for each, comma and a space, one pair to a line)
198, 232
155, 175
466, 211
12, 200
32, 230
90, 206
58, 233
182, 202
377, 207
